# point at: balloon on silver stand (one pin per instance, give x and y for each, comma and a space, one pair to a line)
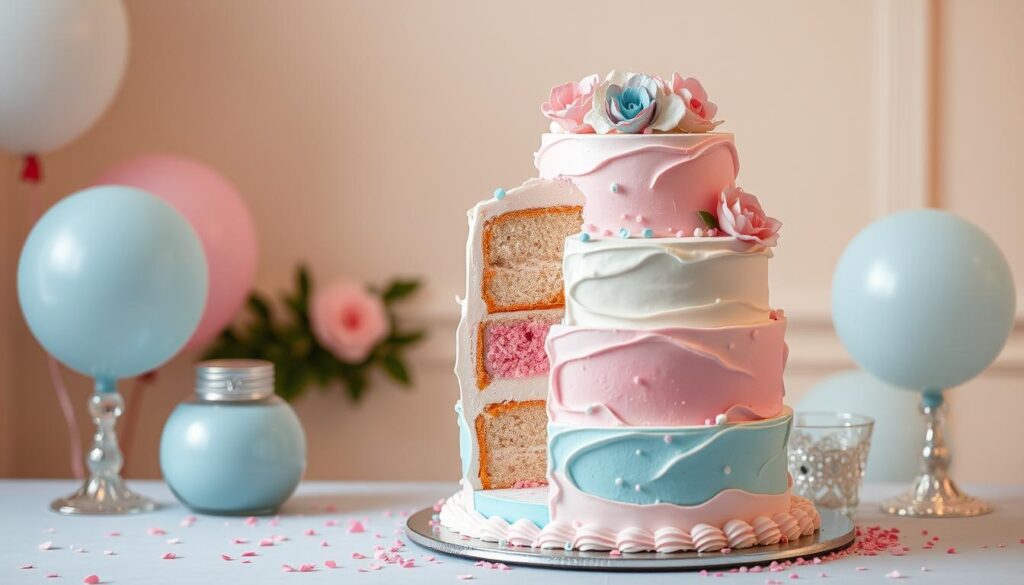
925, 300
112, 282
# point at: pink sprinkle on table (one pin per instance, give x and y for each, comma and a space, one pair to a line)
52, 575
109, 553
324, 544
287, 569
156, 531
48, 545
168, 556
310, 532
252, 521
408, 564
173, 541
862, 568
894, 574
266, 542
358, 556
924, 532
464, 577
91, 580
703, 573
249, 553
27, 566
307, 568
239, 541
331, 564
114, 534
225, 557
356, 527
794, 576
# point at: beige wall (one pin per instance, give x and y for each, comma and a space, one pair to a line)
359, 132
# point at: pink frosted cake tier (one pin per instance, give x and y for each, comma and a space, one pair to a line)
642, 181
672, 376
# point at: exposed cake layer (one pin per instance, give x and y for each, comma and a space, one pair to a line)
615, 474
522, 255
505, 316
642, 181
666, 377
665, 282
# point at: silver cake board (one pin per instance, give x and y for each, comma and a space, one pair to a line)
836, 533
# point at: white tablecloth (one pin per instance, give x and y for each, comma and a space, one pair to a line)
129, 549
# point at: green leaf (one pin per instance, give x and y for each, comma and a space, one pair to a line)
406, 338
303, 283
400, 289
709, 220
396, 369
258, 305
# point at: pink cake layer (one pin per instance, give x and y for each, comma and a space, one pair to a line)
665, 377
516, 349
641, 181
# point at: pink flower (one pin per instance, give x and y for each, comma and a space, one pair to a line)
700, 112
348, 320
741, 216
568, 104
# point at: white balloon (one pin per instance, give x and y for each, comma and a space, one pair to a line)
61, 63
898, 435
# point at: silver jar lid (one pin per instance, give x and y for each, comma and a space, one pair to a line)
234, 380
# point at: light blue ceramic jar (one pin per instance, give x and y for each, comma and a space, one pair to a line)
235, 447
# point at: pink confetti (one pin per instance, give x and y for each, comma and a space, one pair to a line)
109, 553
287, 568
173, 541
894, 574
156, 531
168, 556
358, 556
52, 576
355, 527
615, 552
249, 553
239, 541
307, 568
324, 544
225, 557
331, 564
91, 580
331, 523
310, 532
951, 550
48, 545
27, 566
188, 521
252, 521
279, 538
794, 576
464, 577
266, 542
703, 573
114, 534
408, 564
246, 562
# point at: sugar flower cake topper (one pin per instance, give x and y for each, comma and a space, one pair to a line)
630, 103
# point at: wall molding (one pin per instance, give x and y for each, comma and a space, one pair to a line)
905, 59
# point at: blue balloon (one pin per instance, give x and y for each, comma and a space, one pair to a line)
923, 300
112, 282
898, 433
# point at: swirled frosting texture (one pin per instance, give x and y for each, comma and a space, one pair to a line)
670, 377
723, 523
685, 466
642, 181
667, 282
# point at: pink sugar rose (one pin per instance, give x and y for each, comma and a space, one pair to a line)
700, 112
741, 216
568, 104
348, 320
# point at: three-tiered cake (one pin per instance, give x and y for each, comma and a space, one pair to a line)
650, 415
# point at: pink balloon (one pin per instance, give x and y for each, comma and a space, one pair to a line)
218, 214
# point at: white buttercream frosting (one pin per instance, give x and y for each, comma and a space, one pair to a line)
665, 282
801, 520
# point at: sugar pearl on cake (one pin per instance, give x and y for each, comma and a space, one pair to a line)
640, 218
614, 187
667, 439
499, 193
698, 233
619, 481
680, 234
754, 334
732, 345
638, 381
607, 232
623, 233
648, 233
727, 470
584, 237
721, 419
639, 452
638, 488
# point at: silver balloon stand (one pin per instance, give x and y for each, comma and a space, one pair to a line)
104, 492
934, 494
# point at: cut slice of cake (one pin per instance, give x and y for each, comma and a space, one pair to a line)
514, 294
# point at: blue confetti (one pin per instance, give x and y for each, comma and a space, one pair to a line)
623, 233
648, 233
499, 193
584, 237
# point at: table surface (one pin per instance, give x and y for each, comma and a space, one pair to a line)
313, 528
